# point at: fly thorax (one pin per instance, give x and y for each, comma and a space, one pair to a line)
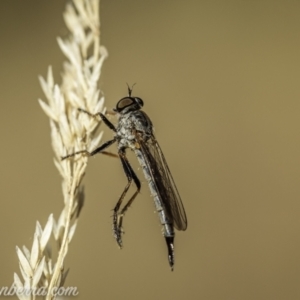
132, 125
125, 132
142, 123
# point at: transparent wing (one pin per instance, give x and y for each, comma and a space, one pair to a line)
164, 182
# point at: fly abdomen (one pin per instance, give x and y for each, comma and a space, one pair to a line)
168, 228
153, 189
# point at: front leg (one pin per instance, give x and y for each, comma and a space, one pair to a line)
104, 119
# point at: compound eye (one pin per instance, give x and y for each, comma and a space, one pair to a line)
139, 101
124, 102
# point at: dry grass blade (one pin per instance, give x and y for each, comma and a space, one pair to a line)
70, 132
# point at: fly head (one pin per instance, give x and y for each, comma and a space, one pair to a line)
128, 104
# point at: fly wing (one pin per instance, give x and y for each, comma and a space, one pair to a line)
164, 182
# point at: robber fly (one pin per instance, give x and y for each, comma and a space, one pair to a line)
135, 131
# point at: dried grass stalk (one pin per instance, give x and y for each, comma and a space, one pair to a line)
70, 131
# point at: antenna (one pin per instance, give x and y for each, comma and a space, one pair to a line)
130, 89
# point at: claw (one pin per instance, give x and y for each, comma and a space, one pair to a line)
117, 235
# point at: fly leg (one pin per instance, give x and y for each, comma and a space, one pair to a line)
97, 150
104, 119
138, 188
100, 148
118, 217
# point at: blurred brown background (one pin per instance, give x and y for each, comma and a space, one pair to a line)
220, 80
